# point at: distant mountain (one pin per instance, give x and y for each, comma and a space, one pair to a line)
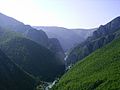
68, 37
40, 37
102, 36
31, 56
13, 77
98, 71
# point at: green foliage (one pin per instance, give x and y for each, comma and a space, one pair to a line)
98, 71
6, 35
90, 45
13, 77
30, 56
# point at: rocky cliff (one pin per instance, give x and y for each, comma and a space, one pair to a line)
102, 36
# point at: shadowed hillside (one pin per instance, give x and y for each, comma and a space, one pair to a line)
13, 77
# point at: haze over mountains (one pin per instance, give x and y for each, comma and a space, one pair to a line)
27, 31
68, 37
33, 57
102, 36
31, 49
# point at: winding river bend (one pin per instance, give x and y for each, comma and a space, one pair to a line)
50, 85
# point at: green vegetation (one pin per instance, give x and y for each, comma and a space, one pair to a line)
6, 35
30, 56
12, 77
101, 37
98, 71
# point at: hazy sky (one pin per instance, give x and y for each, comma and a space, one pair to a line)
63, 13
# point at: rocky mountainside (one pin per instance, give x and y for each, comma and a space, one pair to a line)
102, 36
38, 36
31, 56
68, 38
13, 77
41, 38
57, 49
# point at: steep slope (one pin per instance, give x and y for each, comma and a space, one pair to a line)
56, 48
32, 57
10, 23
102, 36
12, 77
68, 37
38, 36
52, 44
98, 71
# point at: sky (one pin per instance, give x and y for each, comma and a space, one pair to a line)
62, 13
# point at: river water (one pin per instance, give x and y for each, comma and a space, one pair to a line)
50, 85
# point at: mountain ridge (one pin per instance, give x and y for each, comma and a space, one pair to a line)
32, 57
40, 37
102, 36
68, 37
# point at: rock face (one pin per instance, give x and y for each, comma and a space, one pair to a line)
38, 36
41, 38
109, 28
56, 48
31, 56
68, 38
12, 77
102, 36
